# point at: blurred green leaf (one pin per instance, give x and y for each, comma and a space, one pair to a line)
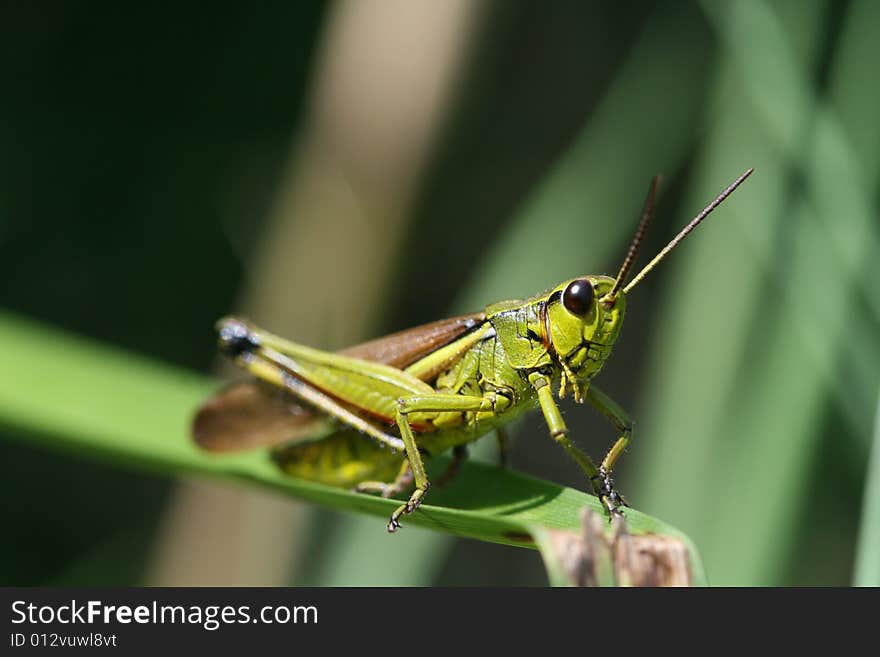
808, 139
743, 362
867, 570
711, 343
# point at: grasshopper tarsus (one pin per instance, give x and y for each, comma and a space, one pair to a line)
603, 488
394, 522
413, 503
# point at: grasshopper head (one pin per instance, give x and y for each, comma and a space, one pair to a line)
582, 325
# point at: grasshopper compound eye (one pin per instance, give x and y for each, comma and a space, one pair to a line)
578, 297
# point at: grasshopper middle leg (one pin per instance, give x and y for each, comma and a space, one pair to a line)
439, 403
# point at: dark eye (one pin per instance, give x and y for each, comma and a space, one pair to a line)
578, 297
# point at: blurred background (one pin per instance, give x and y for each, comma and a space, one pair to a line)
336, 171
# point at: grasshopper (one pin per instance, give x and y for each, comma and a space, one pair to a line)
365, 417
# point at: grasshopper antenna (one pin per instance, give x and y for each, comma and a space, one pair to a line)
687, 229
647, 215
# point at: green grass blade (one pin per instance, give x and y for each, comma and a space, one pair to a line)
867, 569
857, 103
757, 400
94, 401
694, 456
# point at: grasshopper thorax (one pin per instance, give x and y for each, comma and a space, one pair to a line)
567, 332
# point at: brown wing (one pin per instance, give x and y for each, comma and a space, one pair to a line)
252, 414
248, 415
406, 347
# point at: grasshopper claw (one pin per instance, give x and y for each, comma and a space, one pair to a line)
394, 523
412, 504
603, 487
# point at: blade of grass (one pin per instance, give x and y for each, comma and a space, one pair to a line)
780, 414
746, 237
706, 337
98, 402
856, 102
699, 346
867, 569
808, 132
766, 410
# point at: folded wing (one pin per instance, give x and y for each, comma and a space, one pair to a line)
252, 414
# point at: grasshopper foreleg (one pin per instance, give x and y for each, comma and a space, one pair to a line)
600, 478
439, 403
622, 422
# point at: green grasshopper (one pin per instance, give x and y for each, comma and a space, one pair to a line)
364, 417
